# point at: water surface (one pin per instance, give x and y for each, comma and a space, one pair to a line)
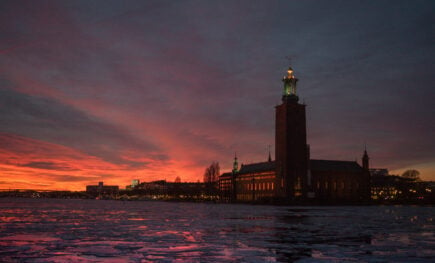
54, 230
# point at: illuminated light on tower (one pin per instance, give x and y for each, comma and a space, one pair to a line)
235, 164
290, 86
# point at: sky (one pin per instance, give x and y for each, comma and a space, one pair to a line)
118, 90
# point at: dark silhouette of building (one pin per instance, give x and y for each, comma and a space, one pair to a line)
134, 183
102, 189
293, 176
290, 143
162, 189
394, 189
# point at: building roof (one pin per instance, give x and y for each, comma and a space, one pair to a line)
257, 167
328, 165
228, 174
315, 165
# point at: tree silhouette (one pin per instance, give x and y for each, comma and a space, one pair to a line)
211, 177
211, 173
413, 175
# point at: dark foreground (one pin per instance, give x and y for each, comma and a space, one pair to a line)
56, 230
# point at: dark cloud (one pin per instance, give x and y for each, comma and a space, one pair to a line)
48, 166
71, 178
49, 120
28, 184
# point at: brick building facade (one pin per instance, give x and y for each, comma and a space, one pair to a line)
293, 176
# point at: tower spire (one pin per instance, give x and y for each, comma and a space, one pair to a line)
270, 157
235, 164
365, 159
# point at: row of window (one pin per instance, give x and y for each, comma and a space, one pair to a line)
225, 185
335, 185
259, 177
269, 186
262, 186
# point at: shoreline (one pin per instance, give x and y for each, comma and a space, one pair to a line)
217, 202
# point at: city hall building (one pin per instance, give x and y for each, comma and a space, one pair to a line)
293, 176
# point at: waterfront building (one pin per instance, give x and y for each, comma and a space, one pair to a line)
386, 188
162, 189
293, 176
134, 183
102, 189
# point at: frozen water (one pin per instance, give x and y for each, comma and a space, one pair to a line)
53, 230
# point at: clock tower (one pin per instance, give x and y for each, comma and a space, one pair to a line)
291, 143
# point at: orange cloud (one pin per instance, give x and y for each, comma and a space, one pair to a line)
32, 164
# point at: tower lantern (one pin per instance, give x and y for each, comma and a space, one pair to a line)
290, 86
235, 164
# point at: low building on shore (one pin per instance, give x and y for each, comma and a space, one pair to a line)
386, 188
162, 189
102, 189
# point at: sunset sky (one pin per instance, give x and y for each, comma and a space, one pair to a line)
117, 90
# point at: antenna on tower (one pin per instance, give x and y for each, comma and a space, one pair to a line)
289, 59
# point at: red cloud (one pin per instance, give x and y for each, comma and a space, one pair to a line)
28, 163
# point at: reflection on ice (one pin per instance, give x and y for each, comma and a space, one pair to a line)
111, 231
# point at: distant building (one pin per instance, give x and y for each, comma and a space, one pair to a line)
378, 172
162, 189
134, 182
156, 187
293, 176
102, 189
393, 188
